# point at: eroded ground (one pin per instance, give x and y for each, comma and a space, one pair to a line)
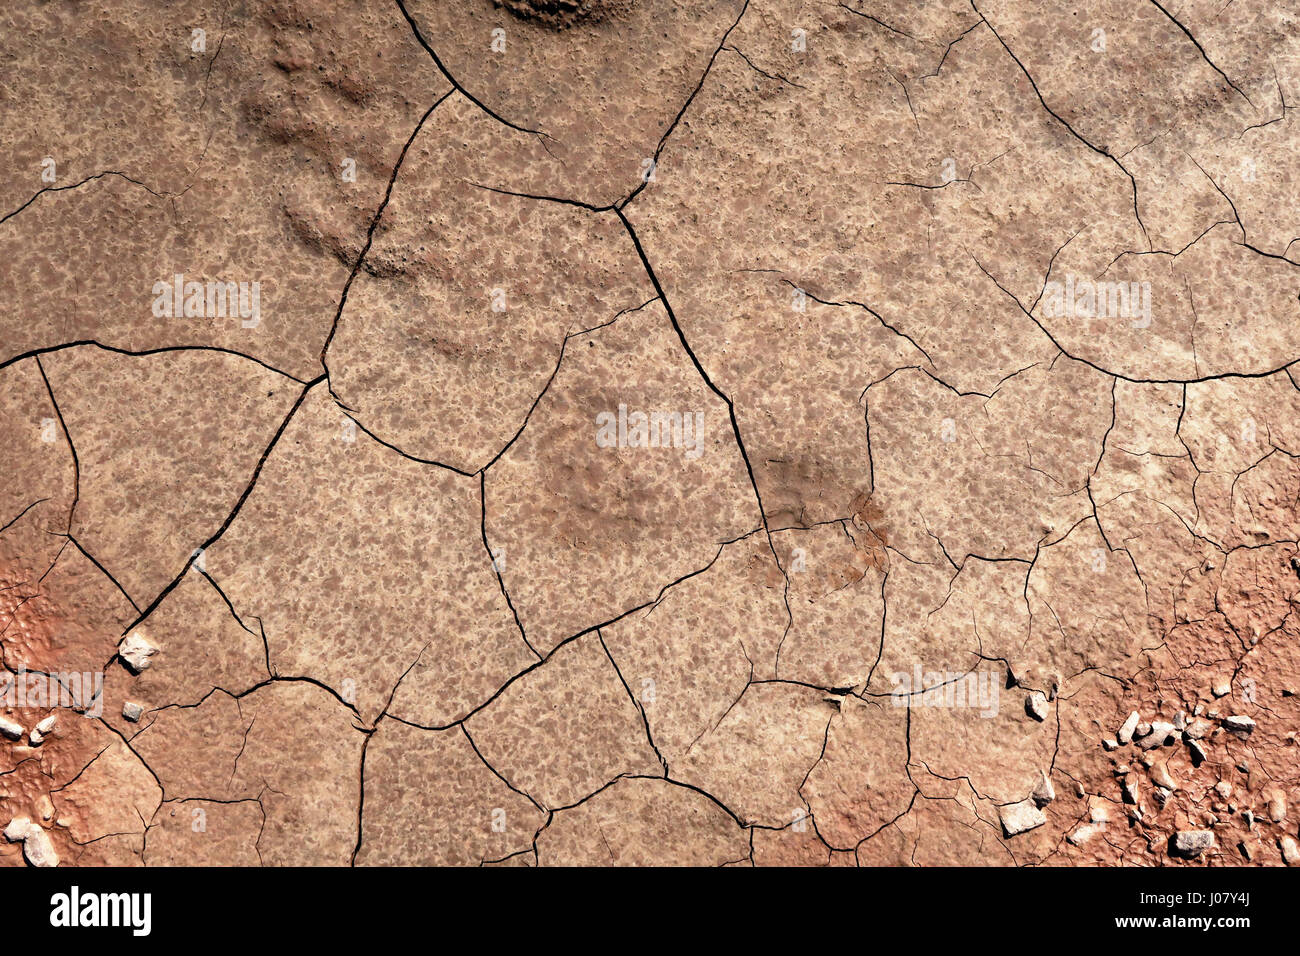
630, 431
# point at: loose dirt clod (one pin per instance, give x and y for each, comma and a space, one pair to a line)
137, 652
1161, 733
43, 729
1276, 807
1239, 726
1020, 818
1044, 793
1290, 850
1085, 833
38, 850
1125, 734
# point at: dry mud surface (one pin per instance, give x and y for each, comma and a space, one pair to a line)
644, 432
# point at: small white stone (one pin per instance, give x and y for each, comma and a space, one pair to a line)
10, 729
1192, 842
136, 651
1109, 744
1290, 852
41, 730
1221, 688
1020, 818
17, 829
1044, 793
132, 711
1223, 789
1277, 807
38, 848
1036, 705
1125, 734
1161, 733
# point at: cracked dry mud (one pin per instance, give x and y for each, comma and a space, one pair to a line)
964, 530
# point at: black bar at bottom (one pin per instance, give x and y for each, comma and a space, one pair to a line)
512, 907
